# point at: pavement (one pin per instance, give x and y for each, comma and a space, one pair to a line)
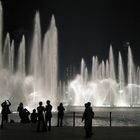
17, 131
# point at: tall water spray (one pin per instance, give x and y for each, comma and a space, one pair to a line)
1, 24
107, 86
41, 82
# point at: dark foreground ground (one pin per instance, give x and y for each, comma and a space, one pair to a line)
18, 131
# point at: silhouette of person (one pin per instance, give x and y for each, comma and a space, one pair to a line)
60, 116
20, 110
25, 116
88, 115
48, 115
40, 114
34, 116
5, 111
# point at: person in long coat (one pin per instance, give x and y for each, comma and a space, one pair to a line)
88, 115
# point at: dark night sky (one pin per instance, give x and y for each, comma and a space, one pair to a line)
85, 28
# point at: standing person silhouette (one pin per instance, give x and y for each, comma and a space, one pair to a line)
88, 115
60, 116
20, 110
5, 111
40, 110
48, 115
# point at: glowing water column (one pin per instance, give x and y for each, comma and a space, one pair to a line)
112, 75
130, 75
1, 21
44, 61
121, 80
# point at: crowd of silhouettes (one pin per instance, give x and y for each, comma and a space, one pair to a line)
42, 116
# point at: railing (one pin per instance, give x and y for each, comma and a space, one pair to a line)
110, 118
102, 118
73, 119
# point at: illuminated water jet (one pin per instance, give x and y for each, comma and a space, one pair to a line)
41, 81
103, 88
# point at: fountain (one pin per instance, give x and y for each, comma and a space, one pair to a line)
40, 84
104, 86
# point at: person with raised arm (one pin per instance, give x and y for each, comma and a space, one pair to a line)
5, 111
